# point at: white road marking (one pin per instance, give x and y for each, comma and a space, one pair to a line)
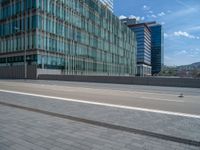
104, 104
162, 99
120, 92
97, 90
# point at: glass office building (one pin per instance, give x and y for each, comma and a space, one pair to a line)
72, 37
143, 36
157, 47
108, 4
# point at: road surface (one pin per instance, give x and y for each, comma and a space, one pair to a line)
54, 115
150, 97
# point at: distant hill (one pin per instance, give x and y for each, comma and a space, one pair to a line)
192, 70
194, 66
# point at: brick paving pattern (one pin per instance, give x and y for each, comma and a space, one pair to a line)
26, 130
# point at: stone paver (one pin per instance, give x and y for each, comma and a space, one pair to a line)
177, 126
26, 130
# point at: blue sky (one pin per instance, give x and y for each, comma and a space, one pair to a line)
181, 23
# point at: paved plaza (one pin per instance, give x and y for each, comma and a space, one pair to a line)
51, 115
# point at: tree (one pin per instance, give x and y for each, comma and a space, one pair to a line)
196, 73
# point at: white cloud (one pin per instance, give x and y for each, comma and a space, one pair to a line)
166, 35
194, 28
169, 11
145, 7
167, 57
182, 3
197, 50
163, 23
151, 12
184, 12
191, 52
192, 55
133, 17
138, 18
161, 14
182, 52
185, 34
142, 18
153, 16
122, 17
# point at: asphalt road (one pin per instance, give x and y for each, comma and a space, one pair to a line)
150, 97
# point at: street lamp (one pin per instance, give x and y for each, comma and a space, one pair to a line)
25, 64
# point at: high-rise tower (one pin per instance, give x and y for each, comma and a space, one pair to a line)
143, 36
157, 46
108, 4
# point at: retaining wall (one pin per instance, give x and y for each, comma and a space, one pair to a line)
17, 72
154, 81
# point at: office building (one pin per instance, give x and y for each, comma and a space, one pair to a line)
157, 42
157, 47
143, 36
71, 37
108, 4
129, 21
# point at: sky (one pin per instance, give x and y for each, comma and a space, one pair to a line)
181, 25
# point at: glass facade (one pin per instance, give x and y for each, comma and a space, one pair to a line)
108, 3
143, 36
76, 37
157, 58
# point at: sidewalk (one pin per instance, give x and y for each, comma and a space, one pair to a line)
26, 130
167, 125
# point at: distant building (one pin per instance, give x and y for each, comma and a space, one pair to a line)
157, 47
156, 44
143, 37
129, 21
108, 4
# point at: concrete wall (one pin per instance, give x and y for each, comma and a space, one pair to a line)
17, 72
155, 81
49, 71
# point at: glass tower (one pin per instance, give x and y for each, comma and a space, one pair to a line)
143, 36
157, 47
108, 4
72, 37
